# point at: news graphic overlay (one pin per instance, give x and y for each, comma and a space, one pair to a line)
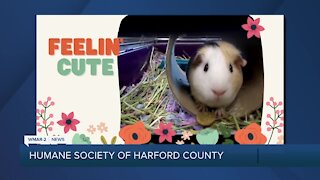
110, 79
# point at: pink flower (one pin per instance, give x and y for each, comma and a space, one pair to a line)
51, 123
51, 115
52, 103
268, 103
269, 129
280, 103
281, 125
277, 111
68, 122
42, 111
45, 103
38, 117
50, 128
282, 118
267, 123
38, 111
91, 129
49, 98
274, 103
274, 122
186, 135
40, 102
38, 124
253, 27
279, 131
102, 127
165, 132
44, 122
39, 130
268, 115
271, 99
281, 111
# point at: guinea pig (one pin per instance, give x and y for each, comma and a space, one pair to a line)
215, 76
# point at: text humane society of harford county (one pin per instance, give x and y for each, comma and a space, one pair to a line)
123, 155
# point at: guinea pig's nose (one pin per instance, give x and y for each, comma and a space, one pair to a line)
218, 92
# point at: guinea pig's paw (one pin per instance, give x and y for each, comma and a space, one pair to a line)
220, 112
201, 107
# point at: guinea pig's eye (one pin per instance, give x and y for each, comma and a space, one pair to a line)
230, 68
206, 67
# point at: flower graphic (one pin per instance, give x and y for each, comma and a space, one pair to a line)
68, 122
253, 27
280, 139
102, 127
275, 120
91, 129
44, 116
180, 142
186, 135
135, 134
165, 132
250, 135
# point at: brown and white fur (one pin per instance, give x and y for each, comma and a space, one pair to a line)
215, 76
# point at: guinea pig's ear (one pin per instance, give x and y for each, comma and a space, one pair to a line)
240, 62
196, 60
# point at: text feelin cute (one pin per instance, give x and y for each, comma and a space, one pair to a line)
72, 47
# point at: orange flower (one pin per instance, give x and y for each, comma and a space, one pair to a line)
135, 134
250, 135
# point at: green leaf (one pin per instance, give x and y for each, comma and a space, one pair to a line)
103, 140
207, 136
226, 132
228, 141
113, 140
80, 139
